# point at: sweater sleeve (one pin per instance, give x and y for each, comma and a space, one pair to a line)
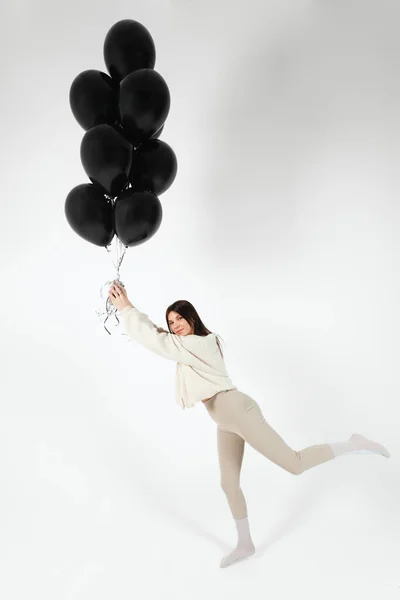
181, 349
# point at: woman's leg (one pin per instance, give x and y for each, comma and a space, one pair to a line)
263, 438
252, 426
248, 424
230, 455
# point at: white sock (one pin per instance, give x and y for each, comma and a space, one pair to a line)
245, 546
358, 444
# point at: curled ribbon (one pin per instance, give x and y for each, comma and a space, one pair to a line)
110, 309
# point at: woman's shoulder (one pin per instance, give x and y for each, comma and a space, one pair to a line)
194, 340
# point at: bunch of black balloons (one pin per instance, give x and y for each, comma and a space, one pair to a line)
123, 115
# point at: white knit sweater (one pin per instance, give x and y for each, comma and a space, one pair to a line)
200, 371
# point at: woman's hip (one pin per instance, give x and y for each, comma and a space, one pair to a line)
230, 407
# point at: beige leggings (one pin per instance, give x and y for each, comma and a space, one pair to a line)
239, 420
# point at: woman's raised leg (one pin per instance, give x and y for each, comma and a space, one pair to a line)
253, 427
262, 437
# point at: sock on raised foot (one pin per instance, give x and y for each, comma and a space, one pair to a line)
358, 444
245, 546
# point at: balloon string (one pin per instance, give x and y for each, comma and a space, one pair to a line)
120, 253
110, 309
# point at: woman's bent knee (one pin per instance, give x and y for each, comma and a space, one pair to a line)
297, 470
295, 467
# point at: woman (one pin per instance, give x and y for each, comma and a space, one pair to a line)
201, 376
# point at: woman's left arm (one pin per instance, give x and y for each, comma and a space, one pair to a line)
182, 349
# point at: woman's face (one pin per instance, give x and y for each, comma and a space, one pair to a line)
178, 324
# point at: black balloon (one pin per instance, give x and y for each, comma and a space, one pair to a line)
93, 98
144, 104
106, 157
138, 216
90, 214
128, 46
154, 167
118, 127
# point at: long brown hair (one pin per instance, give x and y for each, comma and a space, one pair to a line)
188, 312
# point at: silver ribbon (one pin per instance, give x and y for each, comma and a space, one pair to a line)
110, 309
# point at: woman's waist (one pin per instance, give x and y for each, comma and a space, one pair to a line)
220, 392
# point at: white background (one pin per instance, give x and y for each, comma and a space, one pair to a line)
282, 229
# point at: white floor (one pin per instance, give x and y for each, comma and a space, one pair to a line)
85, 515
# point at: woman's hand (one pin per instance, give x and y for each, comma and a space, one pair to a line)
118, 296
